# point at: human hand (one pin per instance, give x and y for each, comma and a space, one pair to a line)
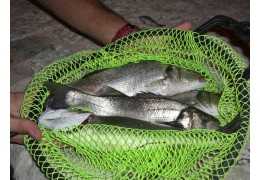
128, 29
184, 26
18, 126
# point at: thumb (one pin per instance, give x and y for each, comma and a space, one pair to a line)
184, 26
18, 139
24, 126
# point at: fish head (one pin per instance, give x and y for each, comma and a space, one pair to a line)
192, 118
185, 119
180, 80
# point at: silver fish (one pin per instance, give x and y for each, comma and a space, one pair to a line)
153, 110
144, 77
204, 101
61, 118
129, 79
192, 118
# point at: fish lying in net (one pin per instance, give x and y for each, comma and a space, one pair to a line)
144, 77
155, 110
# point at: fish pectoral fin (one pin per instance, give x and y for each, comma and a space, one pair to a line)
152, 95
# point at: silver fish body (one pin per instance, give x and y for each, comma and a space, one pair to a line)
153, 110
129, 79
144, 77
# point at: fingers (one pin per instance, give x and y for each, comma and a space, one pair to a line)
184, 26
19, 126
18, 139
24, 126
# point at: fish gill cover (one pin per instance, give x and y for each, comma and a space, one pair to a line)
98, 151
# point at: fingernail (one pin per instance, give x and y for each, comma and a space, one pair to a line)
36, 135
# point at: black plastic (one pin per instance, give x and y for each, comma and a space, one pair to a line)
241, 29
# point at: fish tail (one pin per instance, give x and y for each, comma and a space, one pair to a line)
66, 97
60, 94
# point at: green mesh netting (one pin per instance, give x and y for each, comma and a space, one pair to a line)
97, 151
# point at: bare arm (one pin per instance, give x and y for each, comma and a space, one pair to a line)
90, 17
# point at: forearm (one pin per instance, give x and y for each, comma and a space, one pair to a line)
16, 99
88, 16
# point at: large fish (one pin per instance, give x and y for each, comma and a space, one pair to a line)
188, 118
129, 79
154, 110
144, 77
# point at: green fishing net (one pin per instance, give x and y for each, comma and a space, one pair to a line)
98, 151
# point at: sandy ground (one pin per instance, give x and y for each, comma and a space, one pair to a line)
37, 39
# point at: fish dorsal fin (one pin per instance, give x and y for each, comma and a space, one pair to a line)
109, 91
148, 95
154, 96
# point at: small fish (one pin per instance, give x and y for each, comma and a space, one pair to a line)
204, 101
144, 77
154, 110
192, 118
61, 118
